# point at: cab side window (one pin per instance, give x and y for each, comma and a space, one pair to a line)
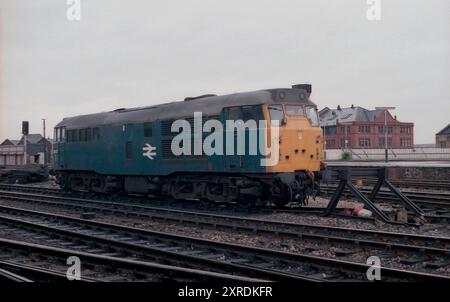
276, 114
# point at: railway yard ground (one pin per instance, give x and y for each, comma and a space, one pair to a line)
135, 238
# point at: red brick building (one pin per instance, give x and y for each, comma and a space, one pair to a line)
443, 138
359, 128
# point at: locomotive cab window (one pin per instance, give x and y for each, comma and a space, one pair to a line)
56, 136
276, 114
312, 115
294, 110
62, 134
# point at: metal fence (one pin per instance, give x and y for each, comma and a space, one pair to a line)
418, 154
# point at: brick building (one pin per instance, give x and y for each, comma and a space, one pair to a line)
443, 138
360, 128
12, 151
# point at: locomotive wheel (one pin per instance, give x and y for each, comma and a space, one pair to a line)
286, 197
246, 203
281, 203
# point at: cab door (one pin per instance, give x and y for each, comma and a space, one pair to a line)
59, 151
232, 162
130, 147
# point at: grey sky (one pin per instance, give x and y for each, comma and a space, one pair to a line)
135, 53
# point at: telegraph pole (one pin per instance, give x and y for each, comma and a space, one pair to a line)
45, 140
43, 121
25, 131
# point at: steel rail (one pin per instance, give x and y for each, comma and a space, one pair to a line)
370, 238
116, 265
256, 258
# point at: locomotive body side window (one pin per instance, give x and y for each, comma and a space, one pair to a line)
82, 135
234, 113
95, 134
148, 130
71, 136
88, 134
75, 136
252, 113
129, 150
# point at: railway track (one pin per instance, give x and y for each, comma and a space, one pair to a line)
400, 241
433, 251
10, 276
418, 183
436, 210
47, 263
429, 201
436, 203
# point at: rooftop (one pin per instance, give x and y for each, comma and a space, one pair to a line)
446, 130
329, 117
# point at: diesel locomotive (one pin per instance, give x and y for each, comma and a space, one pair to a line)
150, 151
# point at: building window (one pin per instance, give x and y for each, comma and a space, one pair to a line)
381, 129
381, 142
405, 142
364, 142
364, 129
405, 130
331, 143
330, 130
343, 144
344, 128
129, 150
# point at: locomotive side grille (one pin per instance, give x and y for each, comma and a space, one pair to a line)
166, 150
166, 127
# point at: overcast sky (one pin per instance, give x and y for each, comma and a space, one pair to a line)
135, 53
